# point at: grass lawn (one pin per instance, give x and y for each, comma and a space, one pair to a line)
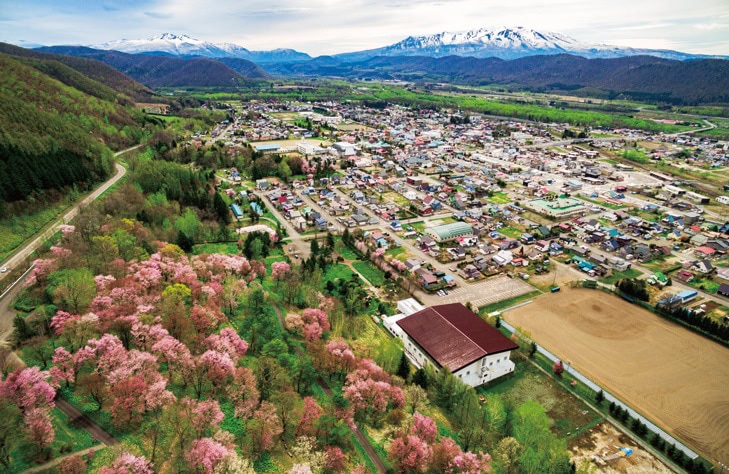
225, 248
569, 415
709, 286
600, 202
348, 254
612, 279
274, 258
499, 198
373, 274
499, 305
396, 251
69, 435
510, 232
16, 229
418, 226
338, 271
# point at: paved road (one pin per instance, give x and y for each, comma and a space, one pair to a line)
82, 421
20, 255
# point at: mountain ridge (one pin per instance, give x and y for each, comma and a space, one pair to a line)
507, 43
184, 46
168, 71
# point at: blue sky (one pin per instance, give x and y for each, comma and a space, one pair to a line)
334, 26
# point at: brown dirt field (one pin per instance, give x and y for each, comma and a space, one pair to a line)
602, 440
674, 377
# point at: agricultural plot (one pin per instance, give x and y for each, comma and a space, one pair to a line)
674, 377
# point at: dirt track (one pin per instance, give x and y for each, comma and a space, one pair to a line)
673, 376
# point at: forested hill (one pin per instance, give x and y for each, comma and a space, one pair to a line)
168, 71
87, 75
640, 77
52, 135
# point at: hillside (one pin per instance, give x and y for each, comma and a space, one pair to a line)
53, 135
167, 71
644, 77
88, 75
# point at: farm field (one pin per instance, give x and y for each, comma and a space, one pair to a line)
672, 376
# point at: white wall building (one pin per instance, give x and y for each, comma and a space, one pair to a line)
452, 336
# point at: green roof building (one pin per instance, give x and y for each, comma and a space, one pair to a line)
447, 232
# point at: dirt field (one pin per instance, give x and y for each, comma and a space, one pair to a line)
601, 441
676, 378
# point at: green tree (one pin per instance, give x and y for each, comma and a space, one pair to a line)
10, 434
403, 368
72, 289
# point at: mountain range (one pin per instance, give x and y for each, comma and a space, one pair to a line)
500, 42
170, 44
505, 43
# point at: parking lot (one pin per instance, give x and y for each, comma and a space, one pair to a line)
482, 293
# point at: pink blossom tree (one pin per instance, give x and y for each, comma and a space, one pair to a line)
127, 463
40, 427
205, 454
264, 428
228, 342
410, 454
244, 392
309, 415
280, 271
424, 428
335, 460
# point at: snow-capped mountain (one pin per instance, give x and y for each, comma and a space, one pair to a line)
185, 46
504, 43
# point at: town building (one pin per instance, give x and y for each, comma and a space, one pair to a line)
448, 232
452, 336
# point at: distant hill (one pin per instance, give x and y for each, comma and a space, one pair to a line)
89, 76
183, 46
167, 71
646, 77
54, 135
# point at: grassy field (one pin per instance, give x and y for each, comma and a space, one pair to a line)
499, 198
347, 253
16, 229
569, 415
396, 251
510, 232
225, 248
338, 271
484, 310
373, 274
612, 279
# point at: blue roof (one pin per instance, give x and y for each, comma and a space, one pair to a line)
236, 210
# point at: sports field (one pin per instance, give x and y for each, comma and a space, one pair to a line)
676, 378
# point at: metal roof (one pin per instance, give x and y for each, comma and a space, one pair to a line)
454, 336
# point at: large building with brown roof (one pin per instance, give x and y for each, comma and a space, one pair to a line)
452, 336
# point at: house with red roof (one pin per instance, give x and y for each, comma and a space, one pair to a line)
452, 336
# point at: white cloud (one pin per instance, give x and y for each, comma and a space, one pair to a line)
332, 26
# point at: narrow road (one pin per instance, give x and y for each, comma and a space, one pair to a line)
23, 253
55, 462
82, 421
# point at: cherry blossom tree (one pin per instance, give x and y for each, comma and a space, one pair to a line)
40, 427
310, 414
244, 393
127, 463
264, 428
28, 389
213, 367
410, 454
228, 342
424, 428
72, 465
300, 469
205, 454
280, 271
335, 460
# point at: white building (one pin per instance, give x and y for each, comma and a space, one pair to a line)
452, 336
